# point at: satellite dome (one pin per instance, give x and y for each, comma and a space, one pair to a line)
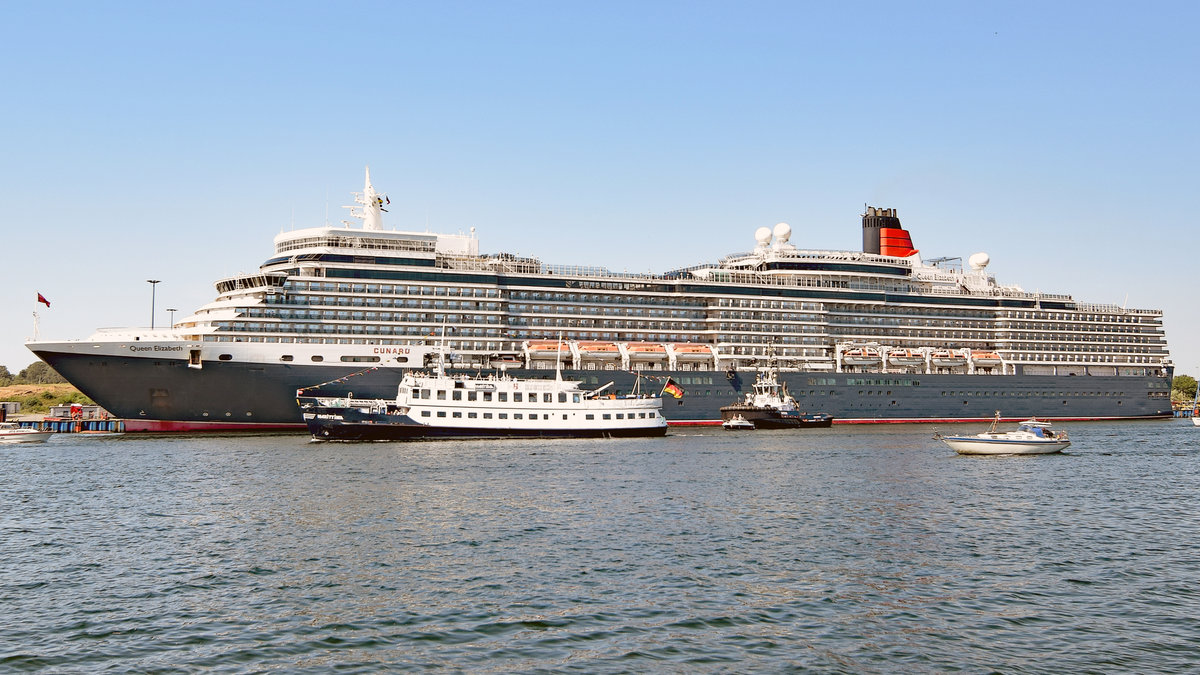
782, 232
762, 235
979, 261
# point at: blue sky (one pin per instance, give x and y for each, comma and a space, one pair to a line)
174, 140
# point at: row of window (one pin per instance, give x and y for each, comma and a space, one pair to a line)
470, 414
500, 396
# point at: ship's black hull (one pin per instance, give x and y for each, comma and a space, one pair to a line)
165, 394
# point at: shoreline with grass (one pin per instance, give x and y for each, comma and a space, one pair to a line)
37, 399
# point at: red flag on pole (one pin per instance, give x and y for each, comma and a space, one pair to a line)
42, 299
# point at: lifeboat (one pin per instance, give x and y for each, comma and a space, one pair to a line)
592, 350
944, 358
646, 351
506, 361
687, 351
548, 348
861, 356
906, 357
985, 359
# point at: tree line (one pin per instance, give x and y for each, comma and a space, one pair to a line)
37, 373
1183, 386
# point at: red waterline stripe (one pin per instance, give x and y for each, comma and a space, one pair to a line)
168, 425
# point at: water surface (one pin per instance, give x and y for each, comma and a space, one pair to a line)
852, 549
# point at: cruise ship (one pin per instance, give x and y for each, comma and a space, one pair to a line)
869, 336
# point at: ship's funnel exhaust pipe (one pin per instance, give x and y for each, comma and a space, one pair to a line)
874, 220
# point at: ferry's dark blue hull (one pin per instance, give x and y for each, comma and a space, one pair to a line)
160, 395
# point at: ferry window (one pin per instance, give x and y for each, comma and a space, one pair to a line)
642, 415
487, 395
318, 359
564, 416
472, 415
441, 413
516, 397
502, 396
424, 394
424, 413
226, 357
456, 395
653, 414
487, 416
456, 414
441, 395
606, 416
575, 398
562, 397
285, 357
620, 416
470, 396
589, 416
547, 397
503, 416
518, 416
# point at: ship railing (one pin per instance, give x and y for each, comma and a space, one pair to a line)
851, 256
1113, 309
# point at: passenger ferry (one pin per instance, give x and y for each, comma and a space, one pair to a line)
440, 405
872, 335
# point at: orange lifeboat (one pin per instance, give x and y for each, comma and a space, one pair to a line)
646, 351
985, 359
861, 356
944, 358
906, 357
591, 349
547, 348
688, 351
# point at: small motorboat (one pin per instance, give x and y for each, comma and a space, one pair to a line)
1032, 437
11, 432
738, 423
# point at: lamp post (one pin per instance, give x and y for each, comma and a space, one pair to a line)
172, 311
153, 285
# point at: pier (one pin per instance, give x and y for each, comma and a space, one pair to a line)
67, 425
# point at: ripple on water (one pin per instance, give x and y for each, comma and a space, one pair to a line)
844, 550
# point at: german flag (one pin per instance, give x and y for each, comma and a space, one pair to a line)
673, 389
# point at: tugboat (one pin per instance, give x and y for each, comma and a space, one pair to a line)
770, 406
439, 405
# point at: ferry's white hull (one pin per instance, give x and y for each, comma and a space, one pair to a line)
25, 436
